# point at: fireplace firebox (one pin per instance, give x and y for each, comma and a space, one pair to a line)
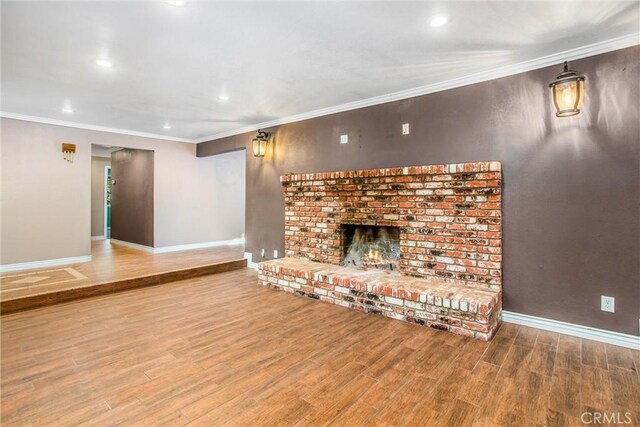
371, 247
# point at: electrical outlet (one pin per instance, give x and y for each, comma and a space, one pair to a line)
275, 253
344, 139
608, 304
405, 128
262, 253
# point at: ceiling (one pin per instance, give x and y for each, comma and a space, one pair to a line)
272, 59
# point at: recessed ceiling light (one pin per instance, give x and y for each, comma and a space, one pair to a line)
177, 3
223, 98
439, 20
67, 110
166, 126
104, 63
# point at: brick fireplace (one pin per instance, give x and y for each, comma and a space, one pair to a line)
446, 220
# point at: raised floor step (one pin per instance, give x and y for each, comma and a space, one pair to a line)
27, 302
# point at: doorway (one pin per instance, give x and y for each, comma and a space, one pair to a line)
100, 171
122, 194
107, 201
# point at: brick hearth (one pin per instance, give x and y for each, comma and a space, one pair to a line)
450, 224
439, 303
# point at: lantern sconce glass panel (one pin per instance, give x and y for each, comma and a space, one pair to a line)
568, 92
260, 143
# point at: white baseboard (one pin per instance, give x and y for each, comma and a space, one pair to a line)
609, 337
43, 264
164, 249
132, 245
177, 248
250, 264
97, 238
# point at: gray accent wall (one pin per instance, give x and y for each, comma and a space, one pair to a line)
132, 196
571, 203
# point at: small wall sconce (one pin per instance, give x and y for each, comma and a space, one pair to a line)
260, 143
568, 92
68, 151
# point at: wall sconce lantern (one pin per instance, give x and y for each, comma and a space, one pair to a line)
68, 150
568, 92
260, 143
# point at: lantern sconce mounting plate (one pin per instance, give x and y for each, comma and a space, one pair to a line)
568, 92
260, 143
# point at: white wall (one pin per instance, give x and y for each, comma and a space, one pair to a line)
231, 198
46, 201
201, 205
98, 194
45, 207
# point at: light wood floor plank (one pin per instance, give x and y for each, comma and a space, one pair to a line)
221, 350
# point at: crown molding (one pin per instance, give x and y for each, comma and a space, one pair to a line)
16, 116
496, 73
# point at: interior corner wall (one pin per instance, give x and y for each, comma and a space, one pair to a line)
571, 186
228, 188
98, 165
45, 206
198, 200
